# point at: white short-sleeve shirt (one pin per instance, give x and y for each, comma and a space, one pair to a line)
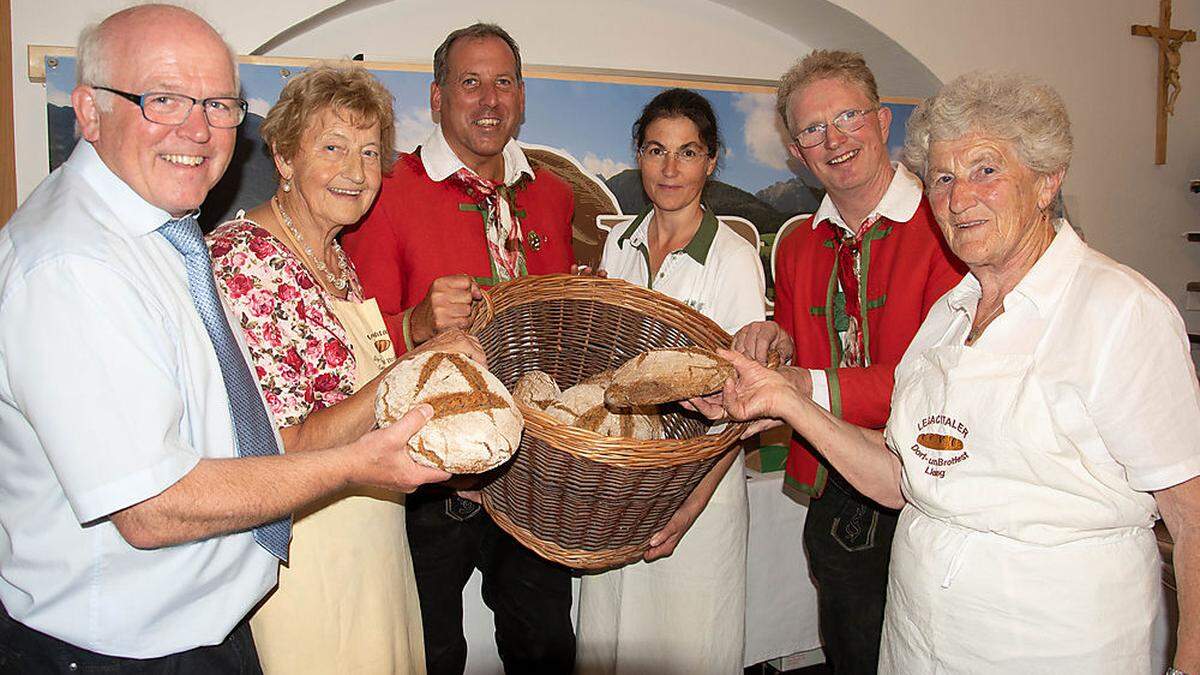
1112, 355
718, 273
110, 392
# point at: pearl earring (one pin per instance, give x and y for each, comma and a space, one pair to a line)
287, 185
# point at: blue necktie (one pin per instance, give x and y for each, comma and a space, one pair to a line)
252, 427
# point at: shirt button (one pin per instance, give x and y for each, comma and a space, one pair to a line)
72, 666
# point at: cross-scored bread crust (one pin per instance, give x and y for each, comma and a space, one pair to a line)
475, 425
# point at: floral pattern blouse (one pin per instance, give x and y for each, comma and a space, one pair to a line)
302, 356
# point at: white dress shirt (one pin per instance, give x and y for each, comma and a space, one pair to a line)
440, 162
110, 392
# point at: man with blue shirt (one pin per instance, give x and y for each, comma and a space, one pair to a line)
144, 502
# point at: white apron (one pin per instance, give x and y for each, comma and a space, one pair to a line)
684, 614
1011, 556
347, 600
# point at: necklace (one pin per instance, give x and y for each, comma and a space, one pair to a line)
977, 329
339, 283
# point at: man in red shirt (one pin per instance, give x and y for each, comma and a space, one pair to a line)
852, 283
464, 211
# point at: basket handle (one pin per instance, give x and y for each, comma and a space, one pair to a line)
487, 307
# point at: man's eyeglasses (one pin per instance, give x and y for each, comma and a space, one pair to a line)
847, 122
222, 112
688, 154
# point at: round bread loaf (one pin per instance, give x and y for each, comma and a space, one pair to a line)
475, 425
536, 389
664, 375
583, 406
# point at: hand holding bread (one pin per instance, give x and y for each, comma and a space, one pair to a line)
381, 457
665, 375
759, 339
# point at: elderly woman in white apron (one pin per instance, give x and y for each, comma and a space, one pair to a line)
347, 601
1044, 416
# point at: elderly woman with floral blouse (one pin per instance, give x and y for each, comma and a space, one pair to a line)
347, 601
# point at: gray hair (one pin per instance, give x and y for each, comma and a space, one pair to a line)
824, 64
94, 61
476, 30
1016, 108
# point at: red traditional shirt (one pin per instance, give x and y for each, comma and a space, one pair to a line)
420, 229
904, 267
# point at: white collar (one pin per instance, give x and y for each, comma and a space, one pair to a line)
1042, 285
898, 205
134, 215
440, 162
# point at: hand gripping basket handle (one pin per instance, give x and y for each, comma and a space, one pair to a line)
486, 308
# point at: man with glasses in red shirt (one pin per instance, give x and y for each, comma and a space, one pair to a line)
852, 285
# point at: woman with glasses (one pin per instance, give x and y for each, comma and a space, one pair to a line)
681, 610
347, 601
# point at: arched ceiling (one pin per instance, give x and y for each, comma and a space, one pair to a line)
823, 24
819, 23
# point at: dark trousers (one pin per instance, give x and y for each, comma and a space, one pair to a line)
848, 538
24, 651
530, 597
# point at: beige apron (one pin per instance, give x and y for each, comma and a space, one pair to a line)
347, 601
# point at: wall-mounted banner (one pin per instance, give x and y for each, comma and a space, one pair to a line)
578, 122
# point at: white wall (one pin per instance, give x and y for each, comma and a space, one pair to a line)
673, 36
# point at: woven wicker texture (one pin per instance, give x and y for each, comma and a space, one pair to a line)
571, 495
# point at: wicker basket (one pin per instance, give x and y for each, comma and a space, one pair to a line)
571, 495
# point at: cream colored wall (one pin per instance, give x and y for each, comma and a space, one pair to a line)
1128, 208
674, 36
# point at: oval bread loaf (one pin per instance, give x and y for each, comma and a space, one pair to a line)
664, 375
475, 426
583, 406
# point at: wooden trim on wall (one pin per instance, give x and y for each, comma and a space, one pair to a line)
37, 54
8, 156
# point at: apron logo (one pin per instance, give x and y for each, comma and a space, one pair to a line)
940, 450
383, 345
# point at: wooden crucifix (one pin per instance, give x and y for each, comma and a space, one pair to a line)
1169, 41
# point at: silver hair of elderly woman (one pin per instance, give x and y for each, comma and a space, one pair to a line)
1017, 108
